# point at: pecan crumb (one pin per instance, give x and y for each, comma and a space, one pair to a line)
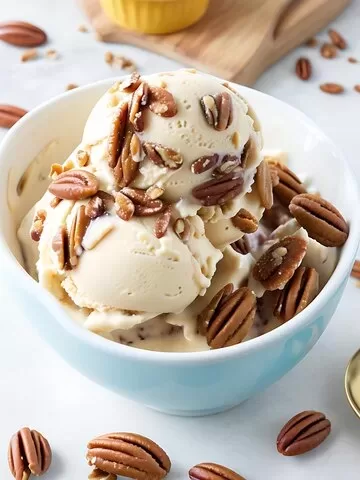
71, 86
82, 158
52, 54
353, 60
82, 28
31, 54
119, 61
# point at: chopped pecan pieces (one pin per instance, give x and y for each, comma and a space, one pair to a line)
38, 225
205, 163
245, 221
78, 229
138, 102
264, 183
60, 246
162, 222
163, 156
131, 83
162, 102
124, 206
278, 264
116, 136
182, 229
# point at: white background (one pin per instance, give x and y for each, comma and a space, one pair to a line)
38, 389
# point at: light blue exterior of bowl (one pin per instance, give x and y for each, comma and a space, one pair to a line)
196, 383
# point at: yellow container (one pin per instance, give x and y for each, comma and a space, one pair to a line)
155, 16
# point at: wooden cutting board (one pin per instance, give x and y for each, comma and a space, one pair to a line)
236, 39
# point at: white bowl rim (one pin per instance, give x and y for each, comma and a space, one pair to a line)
202, 357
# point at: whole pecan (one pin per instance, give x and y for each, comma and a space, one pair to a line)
213, 471
116, 136
337, 39
60, 245
205, 163
138, 102
303, 68
10, 114
289, 184
129, 455
264, 185
78, 229
298, 293
38, 225
228, 317
74, 185
321, 219
162, 102
218, 110
29, 453
219, 190
245, 221
163, 156
304, 432
22, 34
278, 264
162, 222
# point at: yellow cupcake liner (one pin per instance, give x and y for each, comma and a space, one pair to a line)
155, 16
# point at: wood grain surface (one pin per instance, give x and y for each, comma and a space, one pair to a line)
236, 39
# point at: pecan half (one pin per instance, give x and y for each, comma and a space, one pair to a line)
241, 246
38, 225
207, 314
126, 168
213, 471
264, 184
227, 164
29, 453
97, 474
163, 156
328, 50
321, 219
303, 68
298, 293
162, 222
10, 114
332, 88
78, 229
203, 164
182, 229
355, 271
231, 319
116, 136
138, 102
60, 245
155, 192
218, 110
22, 34
129, 455
245, 221
162, 102
131, 83
278, 264
124, 206
74, 185
220, 190
289, 184
304, 432
337, 39
148, 210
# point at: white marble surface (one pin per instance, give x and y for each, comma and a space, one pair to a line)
38, 389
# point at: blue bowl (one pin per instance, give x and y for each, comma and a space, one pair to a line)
197, 383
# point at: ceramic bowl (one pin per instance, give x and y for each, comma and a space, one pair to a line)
196, 383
